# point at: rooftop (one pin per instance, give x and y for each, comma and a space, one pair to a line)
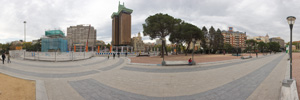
121, 8
54, 33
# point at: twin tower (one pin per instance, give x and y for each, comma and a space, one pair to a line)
121, 26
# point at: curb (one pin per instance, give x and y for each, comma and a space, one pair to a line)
288, 88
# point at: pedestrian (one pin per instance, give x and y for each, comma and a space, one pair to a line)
3, 57
256, 55
118, 54
114, 55
190, 61
8, 58
126, 54
108, 57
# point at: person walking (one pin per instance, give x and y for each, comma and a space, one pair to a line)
256, 55
118, 54
126, 54
114, 55
8, 58
3, 57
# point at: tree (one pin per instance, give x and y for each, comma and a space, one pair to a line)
190, 31
176, 36
228, 47
159, 26
262, 46
204, 39
274, 46
108, 45
218, 42
211, 38
250, 44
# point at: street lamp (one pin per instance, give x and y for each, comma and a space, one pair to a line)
291, 21
194, 41
24, 31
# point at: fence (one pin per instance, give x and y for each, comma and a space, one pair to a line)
59, 56
50, 56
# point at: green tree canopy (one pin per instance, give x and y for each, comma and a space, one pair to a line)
159, 26
190, 31
205, 37
274, 46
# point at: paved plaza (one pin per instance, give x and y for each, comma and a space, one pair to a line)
99, 78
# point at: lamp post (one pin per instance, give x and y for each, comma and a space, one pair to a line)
194, 41
24, 31
163, 44
291, 21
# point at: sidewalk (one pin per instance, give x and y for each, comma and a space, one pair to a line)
199, 58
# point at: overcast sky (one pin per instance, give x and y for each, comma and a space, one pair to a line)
255, 17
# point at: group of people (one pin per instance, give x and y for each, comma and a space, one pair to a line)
8, 58
114, 55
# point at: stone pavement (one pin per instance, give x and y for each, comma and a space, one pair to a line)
101, 79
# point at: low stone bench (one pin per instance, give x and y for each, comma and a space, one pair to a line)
146, 55
234, 54
246, 57
176, 63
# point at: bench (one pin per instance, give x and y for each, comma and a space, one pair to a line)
236, 54
143, 55
176, 63
247, 57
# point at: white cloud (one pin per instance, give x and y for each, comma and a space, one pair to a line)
256, 17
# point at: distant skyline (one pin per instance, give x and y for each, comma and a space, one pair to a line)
255, 17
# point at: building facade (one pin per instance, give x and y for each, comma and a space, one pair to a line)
279, 40
121, 26
137, 43
264, 39
158, 42
80, 34
235, 38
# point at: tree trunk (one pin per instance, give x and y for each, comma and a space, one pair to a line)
187, 48
161, 51
176, 49
166, 50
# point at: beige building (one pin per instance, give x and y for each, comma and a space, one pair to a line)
149, 47
158, 42
121, 26
235, 38
279, 40
264, 39
137, 43
80, 34
197, 45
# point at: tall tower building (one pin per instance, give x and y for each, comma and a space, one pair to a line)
121, 26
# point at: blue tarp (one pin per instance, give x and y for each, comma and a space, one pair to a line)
58, 44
